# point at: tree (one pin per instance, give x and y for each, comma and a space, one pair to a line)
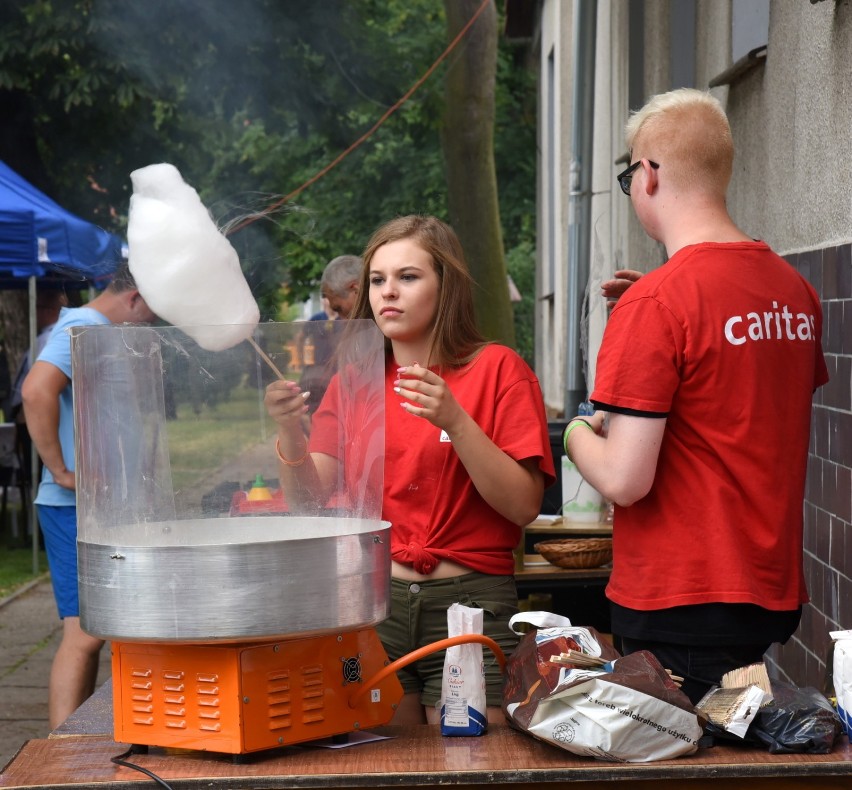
250, 100
467, 135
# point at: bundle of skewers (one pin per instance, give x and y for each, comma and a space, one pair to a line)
580, 660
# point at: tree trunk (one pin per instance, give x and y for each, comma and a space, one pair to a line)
467, 138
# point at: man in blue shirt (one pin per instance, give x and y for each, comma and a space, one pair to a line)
48, 408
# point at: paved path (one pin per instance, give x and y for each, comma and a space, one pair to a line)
30, 631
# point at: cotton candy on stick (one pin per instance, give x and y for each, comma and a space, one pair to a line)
185, 268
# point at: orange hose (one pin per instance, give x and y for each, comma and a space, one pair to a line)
416, 655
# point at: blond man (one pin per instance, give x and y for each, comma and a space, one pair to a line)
703, 394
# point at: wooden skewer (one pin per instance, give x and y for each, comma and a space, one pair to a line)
265, 358
576, 659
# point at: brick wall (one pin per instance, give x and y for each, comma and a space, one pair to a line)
828, 495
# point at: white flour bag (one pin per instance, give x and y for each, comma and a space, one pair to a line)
462, 702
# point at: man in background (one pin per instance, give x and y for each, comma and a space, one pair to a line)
339, 283
339, 287
705, 375
49, 302
47, 401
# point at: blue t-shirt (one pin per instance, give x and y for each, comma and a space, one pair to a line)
57, 351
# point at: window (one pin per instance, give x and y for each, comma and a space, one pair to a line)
749, 27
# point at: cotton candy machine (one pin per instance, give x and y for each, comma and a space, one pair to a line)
238, 621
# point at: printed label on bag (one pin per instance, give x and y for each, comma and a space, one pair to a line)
456, 713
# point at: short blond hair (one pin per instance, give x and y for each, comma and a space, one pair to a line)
687, 132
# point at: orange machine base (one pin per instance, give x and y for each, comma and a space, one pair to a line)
248, 697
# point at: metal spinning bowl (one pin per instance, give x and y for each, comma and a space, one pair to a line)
191, 581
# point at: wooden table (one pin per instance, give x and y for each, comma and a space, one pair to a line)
584, 529
78, 756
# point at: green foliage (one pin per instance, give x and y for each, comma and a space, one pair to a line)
250, 100
520, 263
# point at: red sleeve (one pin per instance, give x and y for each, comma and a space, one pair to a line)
640, 358
325, 428
519, 419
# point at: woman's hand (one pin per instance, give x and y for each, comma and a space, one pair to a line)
427, 395
612, 290
513, 488
306, 478
285, 403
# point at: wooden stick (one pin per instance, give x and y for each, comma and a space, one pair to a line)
580, 660
572, 657
265, 358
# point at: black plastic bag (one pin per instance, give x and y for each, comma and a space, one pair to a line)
798, 720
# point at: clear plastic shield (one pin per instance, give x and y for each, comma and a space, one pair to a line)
184, 532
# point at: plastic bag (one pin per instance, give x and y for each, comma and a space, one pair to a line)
463, 704
627, 710
798, 720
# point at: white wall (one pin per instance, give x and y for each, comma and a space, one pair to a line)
791, 121
555, 130
792, 125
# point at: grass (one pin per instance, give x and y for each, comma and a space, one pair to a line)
16, 567
201, 443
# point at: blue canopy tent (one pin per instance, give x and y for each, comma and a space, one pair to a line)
42, 244
39, 238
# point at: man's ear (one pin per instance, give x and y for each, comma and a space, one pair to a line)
135, 301
651, 178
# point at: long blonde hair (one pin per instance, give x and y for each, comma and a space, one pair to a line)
455, 339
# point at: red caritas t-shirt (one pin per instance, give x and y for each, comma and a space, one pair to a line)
723, 340
434, 510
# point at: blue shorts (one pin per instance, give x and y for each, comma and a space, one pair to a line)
419, 617
59, 525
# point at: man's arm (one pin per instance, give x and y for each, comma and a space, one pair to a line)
40, 394
621, 462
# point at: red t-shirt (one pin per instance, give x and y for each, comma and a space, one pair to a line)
435, 511
724, 340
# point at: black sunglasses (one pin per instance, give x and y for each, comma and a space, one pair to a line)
625, 177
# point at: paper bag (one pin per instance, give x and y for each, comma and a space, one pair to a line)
462, 705
629, 710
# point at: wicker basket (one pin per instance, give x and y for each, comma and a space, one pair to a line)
576, 552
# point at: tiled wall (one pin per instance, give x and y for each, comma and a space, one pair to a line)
828, 496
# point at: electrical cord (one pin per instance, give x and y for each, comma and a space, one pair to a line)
119, 760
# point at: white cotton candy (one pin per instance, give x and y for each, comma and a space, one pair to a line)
185, 268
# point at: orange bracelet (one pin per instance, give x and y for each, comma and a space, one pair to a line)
284, 460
